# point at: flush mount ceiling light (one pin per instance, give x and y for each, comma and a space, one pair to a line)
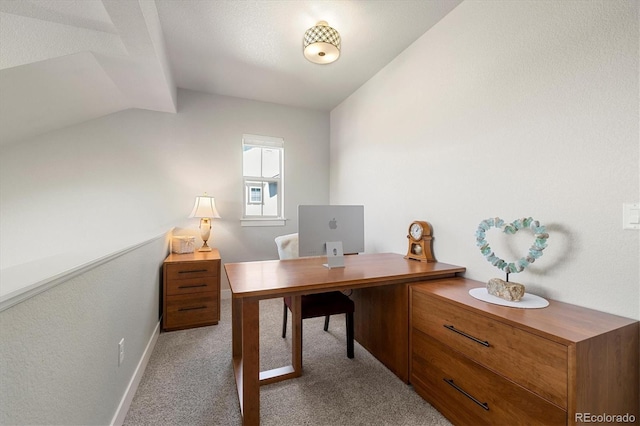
321, 44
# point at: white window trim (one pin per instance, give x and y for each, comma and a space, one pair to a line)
263, 222
274, 142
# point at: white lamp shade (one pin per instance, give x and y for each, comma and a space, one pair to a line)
321, 44
205, 206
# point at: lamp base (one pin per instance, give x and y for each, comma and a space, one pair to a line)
205, 247
205, 232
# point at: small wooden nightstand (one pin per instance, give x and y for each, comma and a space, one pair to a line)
191, 290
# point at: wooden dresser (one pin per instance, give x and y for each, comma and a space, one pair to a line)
480, 363
191, 290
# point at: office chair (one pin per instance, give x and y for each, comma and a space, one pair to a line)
319, 304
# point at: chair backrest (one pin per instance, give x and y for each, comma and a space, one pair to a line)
287, 246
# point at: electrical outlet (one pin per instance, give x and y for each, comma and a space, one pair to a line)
631, 216
121, 352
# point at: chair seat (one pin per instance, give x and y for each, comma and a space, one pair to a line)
323, 304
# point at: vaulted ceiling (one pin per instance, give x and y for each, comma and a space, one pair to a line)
63, 62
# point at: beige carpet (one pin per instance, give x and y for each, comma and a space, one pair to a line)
189, 380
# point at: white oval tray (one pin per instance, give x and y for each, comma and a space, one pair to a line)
528, 301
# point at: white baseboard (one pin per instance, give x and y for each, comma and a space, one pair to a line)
125, 403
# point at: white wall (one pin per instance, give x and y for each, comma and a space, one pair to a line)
137, 172
508, 109
59, 351
105, 183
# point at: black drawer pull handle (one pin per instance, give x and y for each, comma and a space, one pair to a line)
462, 391
193, 271
192, 286
192, 309
468, 336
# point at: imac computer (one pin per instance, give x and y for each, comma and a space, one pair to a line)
333, 230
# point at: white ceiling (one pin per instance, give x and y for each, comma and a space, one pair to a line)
63, 62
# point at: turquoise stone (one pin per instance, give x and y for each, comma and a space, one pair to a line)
539, 229
541, 244
511, 268
535, 251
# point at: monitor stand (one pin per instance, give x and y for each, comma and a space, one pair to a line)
335, 255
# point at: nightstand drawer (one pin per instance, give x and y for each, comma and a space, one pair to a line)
191, 310
192, 285
185, 270
467, 393
534, 362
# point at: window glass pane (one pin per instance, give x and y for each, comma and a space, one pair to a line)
270, 162
270, 200
253, 198
251, 161
262, 164
254, 210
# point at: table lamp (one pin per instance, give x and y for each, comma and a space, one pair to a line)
205, 209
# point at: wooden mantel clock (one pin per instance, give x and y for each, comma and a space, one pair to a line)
420, 242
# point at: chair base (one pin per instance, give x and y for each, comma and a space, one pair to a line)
325, 304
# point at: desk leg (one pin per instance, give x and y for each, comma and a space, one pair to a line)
296, 335
295, 369
246, 357
236, 328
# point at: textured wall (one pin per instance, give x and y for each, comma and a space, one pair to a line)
98, 184
509, 109
59, 351
138, 171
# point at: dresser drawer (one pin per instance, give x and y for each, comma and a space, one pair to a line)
184, 270
191, 310
467, 393
192, 285
534, 362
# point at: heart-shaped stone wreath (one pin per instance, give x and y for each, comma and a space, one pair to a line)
535, 251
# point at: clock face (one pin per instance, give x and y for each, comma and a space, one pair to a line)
415, 231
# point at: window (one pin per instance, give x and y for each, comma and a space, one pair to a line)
262, 166
255, 195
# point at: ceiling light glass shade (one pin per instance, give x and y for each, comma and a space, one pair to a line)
205, 206
321, 44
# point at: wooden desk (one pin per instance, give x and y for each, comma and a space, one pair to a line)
252, 281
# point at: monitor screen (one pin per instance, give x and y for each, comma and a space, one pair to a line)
319, 224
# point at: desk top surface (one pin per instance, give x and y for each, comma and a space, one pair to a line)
274, 278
